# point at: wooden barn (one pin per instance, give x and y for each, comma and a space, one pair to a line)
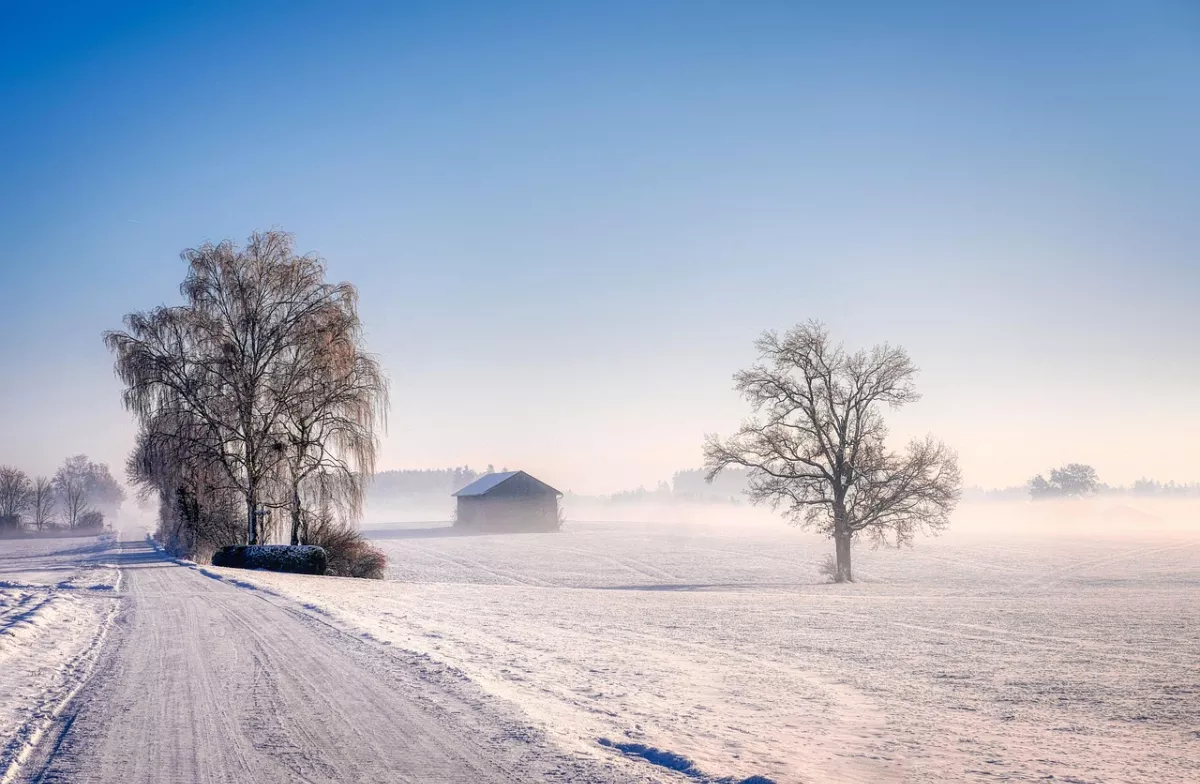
508, 501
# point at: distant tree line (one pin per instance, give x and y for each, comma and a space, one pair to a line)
258, 405
1151, 488
424, 482
689, 486
729, 486
76, 497
661, 492
1073, 480
1077, 480
685, 485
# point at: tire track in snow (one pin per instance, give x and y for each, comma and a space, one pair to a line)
857, 719
629, 564
1060, 575
212, 682
477, 566
76, 674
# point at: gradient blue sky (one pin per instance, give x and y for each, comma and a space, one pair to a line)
569, 221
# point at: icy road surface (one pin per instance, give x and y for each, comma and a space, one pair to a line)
200, 680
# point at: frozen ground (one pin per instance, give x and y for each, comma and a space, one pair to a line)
1014, 651
200, 679
56, 598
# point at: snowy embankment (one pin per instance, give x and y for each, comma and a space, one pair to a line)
57, 597
720, 652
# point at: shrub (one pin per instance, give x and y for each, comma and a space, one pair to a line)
348, 552
300, 559
92, 519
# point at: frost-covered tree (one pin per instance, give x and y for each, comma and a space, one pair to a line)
41, 504
15, 490
335, 401
82, 485
815, 445
258, 377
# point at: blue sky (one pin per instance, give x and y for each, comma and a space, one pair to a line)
569, 221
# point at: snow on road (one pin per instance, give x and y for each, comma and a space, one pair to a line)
204, 681
56, 598
974, 657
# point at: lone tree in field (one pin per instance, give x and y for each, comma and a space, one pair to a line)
815, 445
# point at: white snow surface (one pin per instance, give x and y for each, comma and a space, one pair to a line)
56, 597
202, 678
1002, 652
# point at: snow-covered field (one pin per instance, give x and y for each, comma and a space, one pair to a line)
1002, 651
56, 597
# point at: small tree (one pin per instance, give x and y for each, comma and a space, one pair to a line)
70, 487
103, 492
15, 492
82, 486
1074, 480
91, 519
42, 502
815, 447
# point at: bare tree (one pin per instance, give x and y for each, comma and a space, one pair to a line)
42, 502
71, 483
82, 485
335, 396
103, 492
233, 361
15, 492
815, 447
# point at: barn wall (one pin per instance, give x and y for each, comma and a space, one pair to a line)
470, 511
497, 513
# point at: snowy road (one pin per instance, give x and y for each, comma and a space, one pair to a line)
202, 681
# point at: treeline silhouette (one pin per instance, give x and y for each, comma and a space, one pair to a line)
77, 496
1142, 488
423, 482
685, 485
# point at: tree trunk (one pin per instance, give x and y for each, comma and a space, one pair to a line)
842, 536
296, 515
251, 517
844, 573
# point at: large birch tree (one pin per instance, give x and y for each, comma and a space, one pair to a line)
229, 369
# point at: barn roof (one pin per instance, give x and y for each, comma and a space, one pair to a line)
484, 484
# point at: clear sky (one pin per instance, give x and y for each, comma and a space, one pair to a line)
568, 221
